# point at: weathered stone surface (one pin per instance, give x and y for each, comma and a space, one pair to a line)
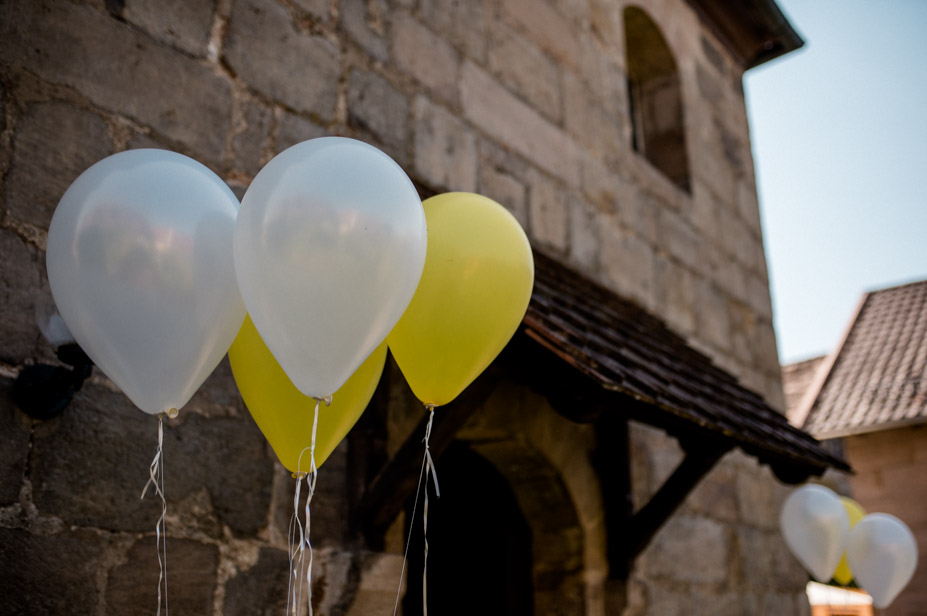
376, 106
677, 237
712, 319
463, 24
293, 129
497, 183
513, 123
426, 56
54, 143
191, 578
249, 137
546, 26
759, 497
674, 292
364, 21
599, 182
317, 8
589, 122
184, 24
260, 590
296, 68
690, 549
49, 575
20, 278
14, 446
627, 264
92, 460
547, 202
524, 68
584, 244
120, 69
445, 148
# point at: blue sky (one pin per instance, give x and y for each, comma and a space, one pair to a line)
839, 133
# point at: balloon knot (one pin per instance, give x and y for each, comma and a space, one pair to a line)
326, 399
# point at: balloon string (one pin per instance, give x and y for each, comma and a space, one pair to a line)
301, 549
428, 468
156, 479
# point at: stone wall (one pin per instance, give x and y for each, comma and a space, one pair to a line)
889, 478
524, 101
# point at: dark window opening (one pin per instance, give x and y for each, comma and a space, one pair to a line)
479, 543
658, 130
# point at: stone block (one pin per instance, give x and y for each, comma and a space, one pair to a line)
548, 205
364, 21
599, 183
296, 68
674, 292
705, 212
376, 588
590, 123
676, 237
191, 578
713, 323
293, 129
627, 264
690, 549
759, 498
602, 70
584, 237
714, 496
758, 296
445, 148
54, 143
501, 186
250, 133
546, 26
20, 279
748, 207
91, 462
14, 446
262, 589
49, 575
513, 123
521, 65
316, 8
425, 56
462, 24
180, 23
709, 165
377, 107
123, 70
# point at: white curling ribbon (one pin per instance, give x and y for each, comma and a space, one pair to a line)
156, 479
428, 469
299, 550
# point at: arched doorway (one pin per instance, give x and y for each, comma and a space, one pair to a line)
480, 551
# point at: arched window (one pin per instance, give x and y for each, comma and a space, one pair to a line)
658, 131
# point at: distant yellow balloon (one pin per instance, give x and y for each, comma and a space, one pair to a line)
477, 282
284, 414
855, 512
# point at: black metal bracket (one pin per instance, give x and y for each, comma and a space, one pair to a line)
43, 391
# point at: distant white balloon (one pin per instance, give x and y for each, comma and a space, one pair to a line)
815, 527
882, 554
329, 248
139, 259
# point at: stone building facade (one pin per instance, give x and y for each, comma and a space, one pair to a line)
637, 173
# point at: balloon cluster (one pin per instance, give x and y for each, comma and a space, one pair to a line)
153, 264
833, 538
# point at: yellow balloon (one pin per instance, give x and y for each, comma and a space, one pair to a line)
855, 512
284, 414
477, 282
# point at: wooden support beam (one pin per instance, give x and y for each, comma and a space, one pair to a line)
629, 532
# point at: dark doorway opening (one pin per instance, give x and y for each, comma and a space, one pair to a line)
479, 543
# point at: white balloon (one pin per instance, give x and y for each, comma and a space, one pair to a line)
882, 553
329, 248
139, 259
815, 526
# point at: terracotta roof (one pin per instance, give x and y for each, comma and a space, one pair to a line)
797, 379
646, 370
878, 377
